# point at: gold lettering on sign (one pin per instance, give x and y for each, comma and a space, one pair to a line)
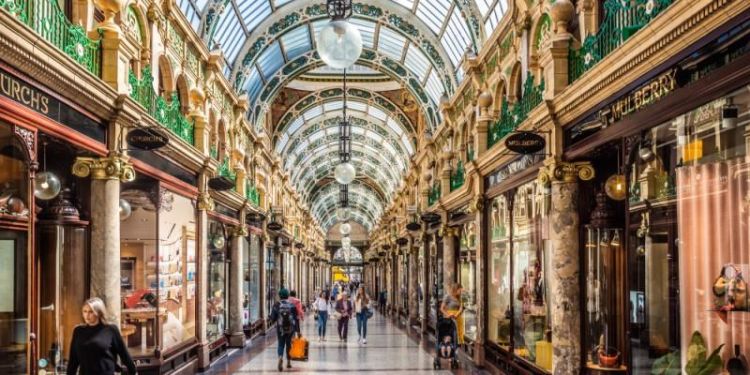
644, 96
23, 93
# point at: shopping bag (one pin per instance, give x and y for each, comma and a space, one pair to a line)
299, 350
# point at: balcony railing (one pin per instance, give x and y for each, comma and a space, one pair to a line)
226, 171
49, 21
168, 114
622, 19
434, 194
511, 117
251, 193
457, 177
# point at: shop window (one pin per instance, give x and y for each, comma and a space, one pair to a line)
467, 278
436, 276
689, 234
158, 268
217, 281
498, 281
251, 284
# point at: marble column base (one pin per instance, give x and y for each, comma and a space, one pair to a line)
204, 358
237, 340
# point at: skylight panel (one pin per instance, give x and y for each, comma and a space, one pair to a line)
496, 15
316, 136
357, 106
484, 6
230, 34
271, 60
377, 113
253, 12
333, 106
456, 38
316, 26
191, 12
282, 142
434, 87
408, 4
416, 61
313, 112
281, 2
391, 43
358, 130
366, 30
296, 124
433, 13
407, 144
254, 84
296, 42
394, 126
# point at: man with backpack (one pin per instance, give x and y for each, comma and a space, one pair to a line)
284, 313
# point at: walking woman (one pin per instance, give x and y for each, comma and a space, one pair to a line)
452, 308
321, 307
96, 344
362, 308
344, 308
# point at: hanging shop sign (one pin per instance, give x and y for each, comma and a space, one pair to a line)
649, 93
525, 143
147, 139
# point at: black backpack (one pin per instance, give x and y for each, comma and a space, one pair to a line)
286, 317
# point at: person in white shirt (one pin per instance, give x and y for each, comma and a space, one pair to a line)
362, 308
321, 308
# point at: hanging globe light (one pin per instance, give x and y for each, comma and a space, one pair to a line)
125, 209
345, 228
342, 214
339, 44
46, 185
345, 173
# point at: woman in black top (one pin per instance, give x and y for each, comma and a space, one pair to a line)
96, 345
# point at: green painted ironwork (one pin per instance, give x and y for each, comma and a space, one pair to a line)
469, 153
214, 152
226, 171
49, 21
511, 117
166, 113
457, 177
622, 19
251, 193
434, 194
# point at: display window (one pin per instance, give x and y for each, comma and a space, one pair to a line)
271, 280
158, 258
498, 281
404, 276
14, 220
251, 280
216, 315
467, 276
689, 236
436, 277
518, 256
420, 284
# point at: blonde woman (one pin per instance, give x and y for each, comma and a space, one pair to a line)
452, 308
96, 344
361, 309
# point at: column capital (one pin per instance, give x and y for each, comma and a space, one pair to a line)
114, 166
476, 204
205, 202
560, 171
239, 231
447, 231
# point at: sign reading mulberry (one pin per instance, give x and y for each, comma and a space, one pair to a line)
525, 143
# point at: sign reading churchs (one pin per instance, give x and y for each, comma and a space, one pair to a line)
645, 95
23, 93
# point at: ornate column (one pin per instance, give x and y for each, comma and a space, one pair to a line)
449, 235
205, 203
106, 174
236, 295
413, 255
563, 274
201, 132
117, 51
476, 206
445, 175
484, 121
427, 289
554, 51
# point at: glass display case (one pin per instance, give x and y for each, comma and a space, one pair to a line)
498, 281
602, 318
467, 277
216, 314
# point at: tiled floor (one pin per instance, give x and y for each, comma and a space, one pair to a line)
389, 350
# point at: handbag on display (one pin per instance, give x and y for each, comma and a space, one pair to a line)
730, 290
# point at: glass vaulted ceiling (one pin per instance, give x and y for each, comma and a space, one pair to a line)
429, 38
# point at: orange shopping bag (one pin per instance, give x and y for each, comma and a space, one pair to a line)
299, 349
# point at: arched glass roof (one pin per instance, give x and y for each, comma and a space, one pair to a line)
353, 255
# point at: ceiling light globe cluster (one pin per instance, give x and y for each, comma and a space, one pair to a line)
339, 44
345, 173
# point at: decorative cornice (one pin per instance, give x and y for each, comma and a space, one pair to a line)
112, 167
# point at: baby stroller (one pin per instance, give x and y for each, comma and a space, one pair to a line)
446, 327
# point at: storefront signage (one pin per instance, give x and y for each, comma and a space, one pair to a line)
31, 97
147, 138
642, 97
525, 143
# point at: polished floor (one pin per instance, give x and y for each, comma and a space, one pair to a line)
389, 350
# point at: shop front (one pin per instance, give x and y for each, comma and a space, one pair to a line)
665, 235
252, 259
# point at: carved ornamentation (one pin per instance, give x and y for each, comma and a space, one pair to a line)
240, 231
477, 205
112, 167
205, 202
566, 172
28, 140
